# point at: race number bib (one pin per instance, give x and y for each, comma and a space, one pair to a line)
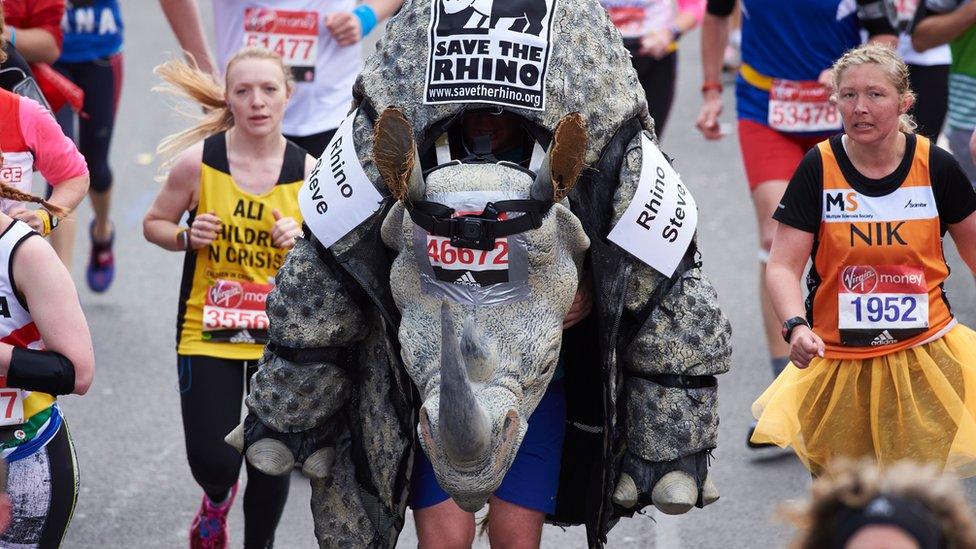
11, 407
467, 266
881, 304
294, 35
801, 106
629, 20
234, 312
465, 275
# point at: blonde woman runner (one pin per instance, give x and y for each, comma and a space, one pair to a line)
238, 178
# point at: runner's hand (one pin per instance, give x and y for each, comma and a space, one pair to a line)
708, 116
29, 217
804, 345
285, 232
204, 230
345, 28
582, 303
656, 43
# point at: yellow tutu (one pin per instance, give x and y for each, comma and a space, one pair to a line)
918, 404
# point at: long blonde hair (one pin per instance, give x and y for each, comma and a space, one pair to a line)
853, 484
189, 82
888, 60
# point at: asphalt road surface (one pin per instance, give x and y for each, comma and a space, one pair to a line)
136, 486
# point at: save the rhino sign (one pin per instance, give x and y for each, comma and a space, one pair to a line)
489, 51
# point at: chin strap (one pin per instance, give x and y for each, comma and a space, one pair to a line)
478, 231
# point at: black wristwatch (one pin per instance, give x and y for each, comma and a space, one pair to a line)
791, 325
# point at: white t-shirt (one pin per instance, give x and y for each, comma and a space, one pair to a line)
939, 55
324, 71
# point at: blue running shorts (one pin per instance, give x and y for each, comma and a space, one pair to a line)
533, 479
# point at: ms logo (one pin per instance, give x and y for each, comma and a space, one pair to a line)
480, 16
841, 202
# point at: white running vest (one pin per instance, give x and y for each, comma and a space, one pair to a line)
324, 71
16, 325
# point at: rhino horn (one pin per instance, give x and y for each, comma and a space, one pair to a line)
395, 155
271, 457
462, 422
318, 465
563, 163
236, 438
676, 493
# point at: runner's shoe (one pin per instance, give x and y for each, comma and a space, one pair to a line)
101, 262
209, 528
756, 445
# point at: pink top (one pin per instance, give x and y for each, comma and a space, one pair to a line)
635, 18
55, 155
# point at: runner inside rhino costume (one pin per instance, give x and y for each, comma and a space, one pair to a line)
392, 327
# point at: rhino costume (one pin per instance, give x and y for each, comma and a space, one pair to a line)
375, 351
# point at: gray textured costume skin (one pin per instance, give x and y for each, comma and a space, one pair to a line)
334, 393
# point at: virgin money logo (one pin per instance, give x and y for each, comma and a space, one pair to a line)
257, 19
226, 293
859, 279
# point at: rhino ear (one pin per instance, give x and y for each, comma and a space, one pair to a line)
563, 163
395, 155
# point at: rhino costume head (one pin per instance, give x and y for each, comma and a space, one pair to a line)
481, 369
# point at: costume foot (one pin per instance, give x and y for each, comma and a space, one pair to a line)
675, 494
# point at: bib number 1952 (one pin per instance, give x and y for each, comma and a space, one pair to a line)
876, 309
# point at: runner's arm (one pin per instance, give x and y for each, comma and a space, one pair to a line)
964, 235
384, 8
55, 155
53, 302
178, 195
41, 41
714, 37
184, 19
787, 258
932, 29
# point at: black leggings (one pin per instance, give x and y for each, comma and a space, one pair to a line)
313, 144
43, 489
211, 390
658, 78
101, 81
931, 85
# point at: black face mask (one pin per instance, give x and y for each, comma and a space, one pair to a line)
478, 231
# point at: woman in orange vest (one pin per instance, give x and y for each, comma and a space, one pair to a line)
880, 367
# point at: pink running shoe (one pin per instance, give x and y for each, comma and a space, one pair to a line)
209, 528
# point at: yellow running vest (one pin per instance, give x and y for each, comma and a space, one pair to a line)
225, 285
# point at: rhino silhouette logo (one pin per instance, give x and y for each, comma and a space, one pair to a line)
480, 16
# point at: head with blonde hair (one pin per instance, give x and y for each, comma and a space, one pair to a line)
251, 72
853, 496
895, 74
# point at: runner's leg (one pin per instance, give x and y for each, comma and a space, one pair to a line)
658, 77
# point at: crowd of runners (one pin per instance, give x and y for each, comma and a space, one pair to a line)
839, 106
